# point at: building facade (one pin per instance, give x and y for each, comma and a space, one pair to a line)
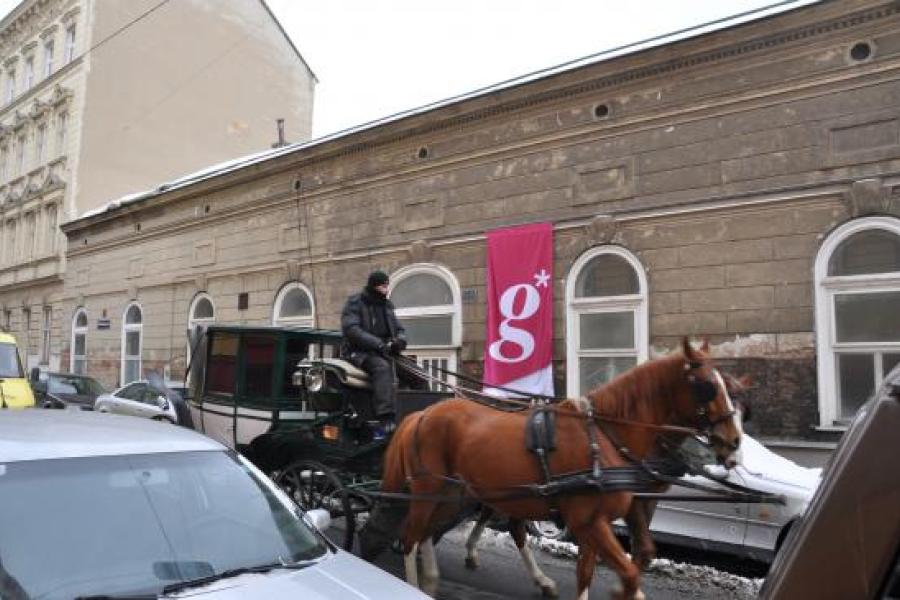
99, 98
739, 185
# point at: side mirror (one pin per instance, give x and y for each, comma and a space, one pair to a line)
320, 518
162, 403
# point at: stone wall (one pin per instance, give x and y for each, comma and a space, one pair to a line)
721, 162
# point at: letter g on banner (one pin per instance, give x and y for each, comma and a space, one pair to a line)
514, 335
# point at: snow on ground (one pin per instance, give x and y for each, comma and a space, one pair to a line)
683, 573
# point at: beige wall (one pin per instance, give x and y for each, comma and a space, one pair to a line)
192, 84
722, 164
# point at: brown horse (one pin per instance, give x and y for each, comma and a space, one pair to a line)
464, 448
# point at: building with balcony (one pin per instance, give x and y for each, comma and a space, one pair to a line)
99, 98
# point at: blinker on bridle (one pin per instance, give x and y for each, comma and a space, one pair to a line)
704, 393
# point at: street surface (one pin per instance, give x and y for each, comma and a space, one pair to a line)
501, 574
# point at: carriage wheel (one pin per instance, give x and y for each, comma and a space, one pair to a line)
313, 485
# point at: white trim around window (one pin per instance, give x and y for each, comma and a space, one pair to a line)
827, 287
293, 321
578, 307
78, 357
131, 363
193, 319
434, 356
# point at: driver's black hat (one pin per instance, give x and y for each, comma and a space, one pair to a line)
377, 278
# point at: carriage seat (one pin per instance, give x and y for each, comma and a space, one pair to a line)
349, 374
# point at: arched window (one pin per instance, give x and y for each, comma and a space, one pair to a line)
201, 312
132, 330
294, 306
78, 360
428, 304
857, 277
606, 317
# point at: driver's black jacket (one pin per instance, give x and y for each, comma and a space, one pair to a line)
357, 325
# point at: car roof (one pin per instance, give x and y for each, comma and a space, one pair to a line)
40, 434
7, 338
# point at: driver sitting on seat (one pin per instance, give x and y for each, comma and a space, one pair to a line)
372, 334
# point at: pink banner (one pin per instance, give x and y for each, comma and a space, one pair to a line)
519, 346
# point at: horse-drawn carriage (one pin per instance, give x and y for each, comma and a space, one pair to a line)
284, 398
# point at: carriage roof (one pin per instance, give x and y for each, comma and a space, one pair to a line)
309, 333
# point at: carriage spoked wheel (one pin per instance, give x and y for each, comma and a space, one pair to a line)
313, 485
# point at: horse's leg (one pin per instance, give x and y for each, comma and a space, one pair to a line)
547, 585
611, 551
472, 541
430, 573
643, 549
584, 569
409, 562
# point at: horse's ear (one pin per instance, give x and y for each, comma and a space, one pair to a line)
736, 385
690, 354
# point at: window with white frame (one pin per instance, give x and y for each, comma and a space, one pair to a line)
20, 155
40, 143
606, 317
428, 303
132, 330
294, 306
48, 58
78, 361
29, 74
857, 278
46, 324
62, 122
10, 86
69, 49
202, 312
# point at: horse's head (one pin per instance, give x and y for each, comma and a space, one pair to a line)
704, 402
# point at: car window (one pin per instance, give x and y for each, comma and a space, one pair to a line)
10, 366
61, 385
150, 396
163, 515
132, 391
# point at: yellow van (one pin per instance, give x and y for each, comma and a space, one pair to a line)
15, 391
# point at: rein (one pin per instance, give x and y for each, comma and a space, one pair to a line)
413, 367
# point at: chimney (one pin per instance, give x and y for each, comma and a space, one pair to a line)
281, 141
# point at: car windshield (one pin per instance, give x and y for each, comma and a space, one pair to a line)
83, 386
9, 361
123, 525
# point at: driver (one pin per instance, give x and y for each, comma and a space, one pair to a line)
372, 334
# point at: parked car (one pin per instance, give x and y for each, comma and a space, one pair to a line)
847, 544
14, 389
107, 506
144, 398
749, 530
65, 390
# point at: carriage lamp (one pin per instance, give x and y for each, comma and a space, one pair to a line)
314, 380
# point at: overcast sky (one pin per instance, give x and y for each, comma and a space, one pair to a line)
375, 58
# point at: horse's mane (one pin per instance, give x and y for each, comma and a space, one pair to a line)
637, 393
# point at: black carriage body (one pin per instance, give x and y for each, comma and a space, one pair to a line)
248, 390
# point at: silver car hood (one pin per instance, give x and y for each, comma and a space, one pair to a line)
338, 575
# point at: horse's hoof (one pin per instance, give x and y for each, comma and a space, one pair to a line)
471, 563
549, 591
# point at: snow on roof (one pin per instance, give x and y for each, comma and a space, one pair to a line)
633, 48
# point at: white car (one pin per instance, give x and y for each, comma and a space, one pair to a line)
100, 506
139, 399
745, 529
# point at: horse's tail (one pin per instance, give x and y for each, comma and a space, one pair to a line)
388, 514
